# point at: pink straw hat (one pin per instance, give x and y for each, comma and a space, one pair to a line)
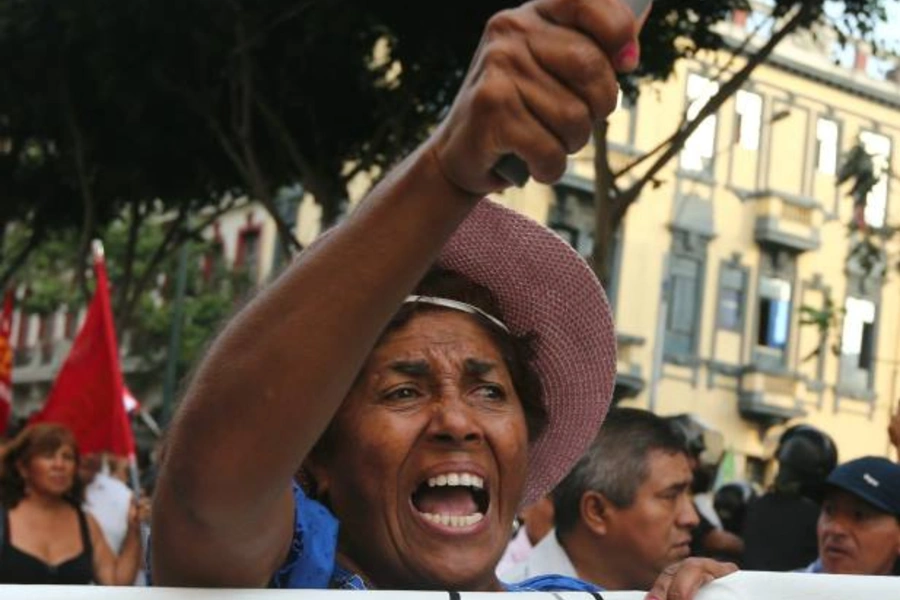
544, 287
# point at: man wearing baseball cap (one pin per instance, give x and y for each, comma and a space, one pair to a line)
859, 526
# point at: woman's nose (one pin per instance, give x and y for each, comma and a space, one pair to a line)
454, 420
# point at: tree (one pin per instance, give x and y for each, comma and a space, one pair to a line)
316, 92
212, 292
99, 117
83, 140
676, 30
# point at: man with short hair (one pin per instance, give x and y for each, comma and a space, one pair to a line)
624, 512
859, 526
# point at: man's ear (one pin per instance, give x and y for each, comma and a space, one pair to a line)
898, 537
595, 511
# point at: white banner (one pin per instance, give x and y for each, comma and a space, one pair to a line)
745, 585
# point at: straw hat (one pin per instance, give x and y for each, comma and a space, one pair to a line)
544, 287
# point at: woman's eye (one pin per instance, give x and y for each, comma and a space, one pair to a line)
403, 393
492, 392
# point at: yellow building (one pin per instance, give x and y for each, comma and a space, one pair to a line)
713, 267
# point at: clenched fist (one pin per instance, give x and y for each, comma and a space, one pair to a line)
542, 75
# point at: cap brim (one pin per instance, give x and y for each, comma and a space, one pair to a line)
862, 493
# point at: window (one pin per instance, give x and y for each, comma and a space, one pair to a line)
732, 298
699, 149
879, 147
46, 327
826, 146
24, 348
774, 312
572, 217
214, 261
685, 292
775, 303
749, 119
857, 343
248, 253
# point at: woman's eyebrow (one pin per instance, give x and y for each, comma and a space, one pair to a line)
413, 368
476, 368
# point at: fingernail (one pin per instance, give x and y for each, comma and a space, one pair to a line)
649, 597
626, 60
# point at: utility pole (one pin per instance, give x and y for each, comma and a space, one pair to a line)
171, 375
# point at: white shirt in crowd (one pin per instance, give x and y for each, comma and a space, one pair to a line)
546, 558
108, 499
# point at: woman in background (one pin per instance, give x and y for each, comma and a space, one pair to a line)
47, 537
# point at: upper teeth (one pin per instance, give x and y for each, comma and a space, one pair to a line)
455, 479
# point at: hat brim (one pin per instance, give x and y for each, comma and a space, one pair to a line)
545, 288
861, 493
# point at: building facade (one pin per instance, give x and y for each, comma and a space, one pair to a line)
721, 265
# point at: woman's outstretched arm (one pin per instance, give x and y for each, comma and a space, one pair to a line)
274, 378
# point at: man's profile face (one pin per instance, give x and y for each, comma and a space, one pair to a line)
655, 531
855, 538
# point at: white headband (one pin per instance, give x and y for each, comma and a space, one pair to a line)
457, 305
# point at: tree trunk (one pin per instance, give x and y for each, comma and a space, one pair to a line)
670, 148
85, 188
604, 199
123, 287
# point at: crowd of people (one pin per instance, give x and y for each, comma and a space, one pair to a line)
626, 512
379, 415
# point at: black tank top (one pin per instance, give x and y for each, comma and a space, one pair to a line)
17, 567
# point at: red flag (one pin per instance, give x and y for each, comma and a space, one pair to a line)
6, 362
87, 394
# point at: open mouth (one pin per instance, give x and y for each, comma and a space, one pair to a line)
452, 499
835, 551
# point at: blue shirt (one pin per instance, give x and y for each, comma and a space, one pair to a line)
311, 562
814, 567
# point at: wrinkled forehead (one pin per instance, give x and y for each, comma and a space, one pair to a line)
435, 332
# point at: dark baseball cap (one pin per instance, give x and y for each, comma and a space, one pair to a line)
873, 478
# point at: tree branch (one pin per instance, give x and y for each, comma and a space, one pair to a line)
125, 312
726, 90
85, 188
732, 58
260, 186
19, 258
605, 194
134, 227
207, 115
174, 238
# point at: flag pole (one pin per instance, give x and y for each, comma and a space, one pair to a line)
133, 471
